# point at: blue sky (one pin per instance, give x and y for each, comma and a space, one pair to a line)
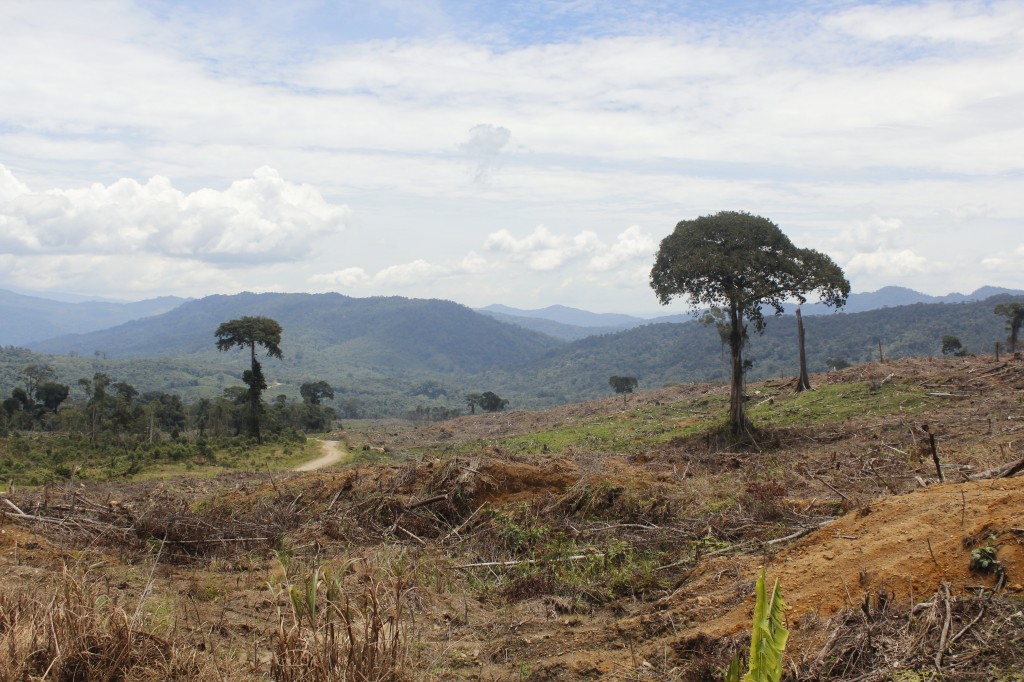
524, 153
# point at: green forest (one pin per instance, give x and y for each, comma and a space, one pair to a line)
396, 357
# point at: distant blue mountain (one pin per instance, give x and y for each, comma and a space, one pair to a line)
33, 318
572, 324
890, 297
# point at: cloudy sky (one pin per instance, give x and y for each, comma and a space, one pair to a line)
526, 153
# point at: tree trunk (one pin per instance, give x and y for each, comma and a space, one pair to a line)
737, 417
254, 397
804, 383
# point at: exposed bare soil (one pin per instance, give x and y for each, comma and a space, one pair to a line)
872, 552
334, 452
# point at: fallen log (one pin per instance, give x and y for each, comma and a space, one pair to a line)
1001, 471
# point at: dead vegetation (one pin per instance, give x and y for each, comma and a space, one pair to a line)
593, 541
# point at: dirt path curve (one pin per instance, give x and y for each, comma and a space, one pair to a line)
334, 452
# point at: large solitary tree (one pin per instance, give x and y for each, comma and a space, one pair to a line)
492, 402
741, 263
249, 332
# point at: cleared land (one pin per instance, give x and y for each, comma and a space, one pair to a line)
604, 540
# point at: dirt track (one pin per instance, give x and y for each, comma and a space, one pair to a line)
333, 453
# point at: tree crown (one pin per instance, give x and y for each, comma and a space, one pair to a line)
743, 262
248, 332
1014, 312
313, 392
622, 384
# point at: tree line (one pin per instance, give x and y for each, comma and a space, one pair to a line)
108, 410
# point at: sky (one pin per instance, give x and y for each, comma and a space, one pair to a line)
524, 153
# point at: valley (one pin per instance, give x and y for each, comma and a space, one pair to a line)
392, 356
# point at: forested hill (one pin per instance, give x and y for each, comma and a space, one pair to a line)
393, 354
658, 354
325, 332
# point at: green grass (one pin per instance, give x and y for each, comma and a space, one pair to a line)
38, 458
836, 403
647, 427
652, 426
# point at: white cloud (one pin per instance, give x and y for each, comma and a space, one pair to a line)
485, 143
116, 276
542, 249
416, 273
348, 278
260, 219
486, 140
631, 245
971, 22
815, 116
1005, 262
872, 248
874, 233
887, 263
407, 274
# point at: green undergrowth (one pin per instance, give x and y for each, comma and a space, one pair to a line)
41, 458
651, 426
644, 428
533, 559
835, 403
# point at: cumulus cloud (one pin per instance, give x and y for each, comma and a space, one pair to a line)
866, 237
824, 113
485, 143
404, 275
1004, 262
887, 263
543, 250
260, 219
631, 245
347, 278
873, 247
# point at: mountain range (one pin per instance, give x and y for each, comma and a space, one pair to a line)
30, 319
385, 355
572, 324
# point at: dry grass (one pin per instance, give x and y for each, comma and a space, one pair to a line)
80, 634
585, 563
328, 631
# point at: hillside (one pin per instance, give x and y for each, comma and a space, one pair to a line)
572, 323
382, 355
379, 353
558, 330
324, 331
30, 318
613, 540
661, 354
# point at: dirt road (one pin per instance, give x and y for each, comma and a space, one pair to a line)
334, 452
